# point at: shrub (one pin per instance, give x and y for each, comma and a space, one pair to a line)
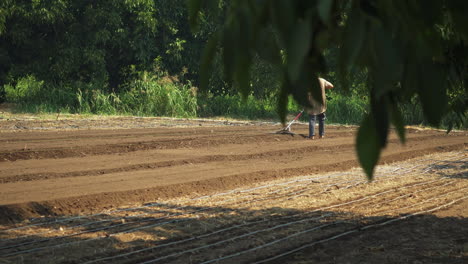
346, 109
157, 96
25, 90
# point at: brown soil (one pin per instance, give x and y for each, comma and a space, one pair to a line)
52, 170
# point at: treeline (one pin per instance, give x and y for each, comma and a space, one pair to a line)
102, 43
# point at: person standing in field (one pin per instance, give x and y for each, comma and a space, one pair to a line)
317, 109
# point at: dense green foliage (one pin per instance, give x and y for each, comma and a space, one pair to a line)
405, 49
64, 42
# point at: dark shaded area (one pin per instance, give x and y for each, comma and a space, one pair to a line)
419, 239
441, 169
173, 233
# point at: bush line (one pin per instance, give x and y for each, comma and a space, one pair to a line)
161, 96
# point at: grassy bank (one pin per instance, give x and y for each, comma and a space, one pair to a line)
141, 97
164, 98
153, 96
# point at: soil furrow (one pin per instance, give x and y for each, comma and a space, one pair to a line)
242, 241
27, 151
362, 203
95, 202
166, 190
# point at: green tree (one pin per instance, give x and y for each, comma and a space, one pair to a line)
405, 49
67, 42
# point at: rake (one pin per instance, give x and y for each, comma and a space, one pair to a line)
287, 130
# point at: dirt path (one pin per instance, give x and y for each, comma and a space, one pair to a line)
51, 174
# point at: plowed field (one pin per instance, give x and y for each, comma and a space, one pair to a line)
146, 190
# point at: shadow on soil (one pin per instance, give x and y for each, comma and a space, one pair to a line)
444, 170
170, 233
173, 234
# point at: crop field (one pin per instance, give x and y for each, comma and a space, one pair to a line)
155, 190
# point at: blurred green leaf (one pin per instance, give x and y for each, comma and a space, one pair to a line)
458, 8
193, 7
322, 40
283, 16
298, 47
243, 45
207, 60
352, 42
242, 76
397, 121
367, 146
387, 60
431, 14
268, 48
305, 84
410, 80
324, 9
380, 114
432, 91
230, 37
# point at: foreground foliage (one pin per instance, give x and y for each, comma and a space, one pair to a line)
406, 49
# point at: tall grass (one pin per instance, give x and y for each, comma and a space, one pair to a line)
143, 97
160, 98
340, 109
149, 95
32, 95
343, 109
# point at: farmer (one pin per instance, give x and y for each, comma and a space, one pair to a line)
317, 110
